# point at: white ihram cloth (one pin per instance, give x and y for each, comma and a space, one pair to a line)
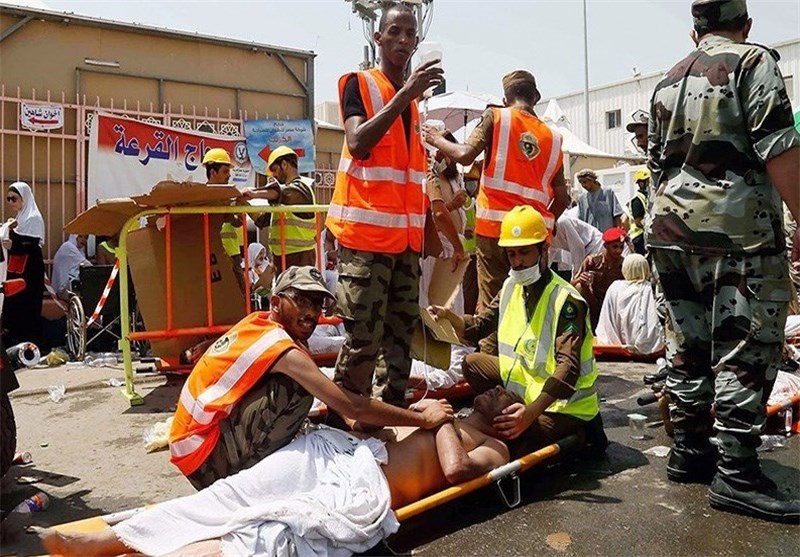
629, 317
322, 494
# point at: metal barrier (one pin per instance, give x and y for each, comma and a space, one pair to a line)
210, 328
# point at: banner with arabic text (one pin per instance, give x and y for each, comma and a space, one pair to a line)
265, 135
128, 157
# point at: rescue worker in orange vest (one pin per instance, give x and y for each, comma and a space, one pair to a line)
545, 345
252, 389
523, 165
377, 213
217, 163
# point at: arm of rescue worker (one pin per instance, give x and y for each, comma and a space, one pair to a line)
467, 152
441, 215
458, 465
561, 197
470, 328
362, 134
300, 367
637, 210
570, 332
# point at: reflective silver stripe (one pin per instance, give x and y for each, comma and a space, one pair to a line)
196, 407
502, 146
276, 242
495, 215
506, 350
381, 173
551, 164
186, 446
580, 394
374, 93
376, 218
529, 193
546, 341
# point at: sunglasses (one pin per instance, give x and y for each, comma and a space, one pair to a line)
302, 301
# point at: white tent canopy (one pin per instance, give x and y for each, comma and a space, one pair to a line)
458, 108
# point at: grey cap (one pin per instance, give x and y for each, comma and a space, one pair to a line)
638, 118
304, 279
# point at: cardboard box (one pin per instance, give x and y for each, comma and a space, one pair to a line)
432, 344
147, 260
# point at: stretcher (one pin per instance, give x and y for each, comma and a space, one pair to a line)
510, 471
619, 352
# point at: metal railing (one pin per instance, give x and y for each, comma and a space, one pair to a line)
210, 327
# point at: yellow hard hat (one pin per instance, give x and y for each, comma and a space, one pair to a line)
522, 226
279, 152
217, 155
641, 174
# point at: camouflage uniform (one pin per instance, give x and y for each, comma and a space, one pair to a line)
716, 234
378, 296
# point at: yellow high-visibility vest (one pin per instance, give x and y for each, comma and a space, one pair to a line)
232, 238
299, 234
527, 348
634, 231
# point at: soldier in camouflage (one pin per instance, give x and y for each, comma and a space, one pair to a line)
723, 153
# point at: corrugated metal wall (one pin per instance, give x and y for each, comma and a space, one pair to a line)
635, 93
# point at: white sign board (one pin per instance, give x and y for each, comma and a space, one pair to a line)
41, 117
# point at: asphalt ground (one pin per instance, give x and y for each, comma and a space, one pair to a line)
89, 457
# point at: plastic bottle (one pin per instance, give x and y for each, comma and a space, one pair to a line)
770, 442
23, 458
788, 418
34, 503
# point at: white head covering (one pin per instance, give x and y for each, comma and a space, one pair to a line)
29, 220
253, 250
635, 268
66, 263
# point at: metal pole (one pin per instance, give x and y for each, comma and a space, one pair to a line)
586, 73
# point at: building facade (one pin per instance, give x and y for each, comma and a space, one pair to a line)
611, 105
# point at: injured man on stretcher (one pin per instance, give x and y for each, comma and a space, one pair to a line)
327, 492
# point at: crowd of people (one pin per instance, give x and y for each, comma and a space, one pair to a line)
553, 278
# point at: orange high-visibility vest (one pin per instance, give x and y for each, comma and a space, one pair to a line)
526, 154
378, 204
225, 373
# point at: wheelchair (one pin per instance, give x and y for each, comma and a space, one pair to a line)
102, 335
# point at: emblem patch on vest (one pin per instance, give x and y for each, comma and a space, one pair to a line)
223, 344
529, 145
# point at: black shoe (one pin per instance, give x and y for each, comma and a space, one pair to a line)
686, 468
596, 439
660, 375
760, 498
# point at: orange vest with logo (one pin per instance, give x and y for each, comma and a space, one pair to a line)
526, 154
225, 373
378, 204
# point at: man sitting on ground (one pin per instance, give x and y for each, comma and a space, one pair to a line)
421, 464
598, 272
252, 389
545, 345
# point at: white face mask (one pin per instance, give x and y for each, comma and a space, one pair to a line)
526, 277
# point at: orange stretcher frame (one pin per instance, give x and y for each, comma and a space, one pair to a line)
616, 351
791, 402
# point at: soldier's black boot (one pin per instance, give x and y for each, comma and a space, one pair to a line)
741, 487
693, 458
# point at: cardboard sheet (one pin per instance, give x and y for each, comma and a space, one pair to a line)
445, 281
433, 345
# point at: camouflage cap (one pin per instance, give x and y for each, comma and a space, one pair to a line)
305, 279
516, 76
712, 14
638, 118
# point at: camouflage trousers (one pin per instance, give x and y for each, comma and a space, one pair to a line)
378, 297
724, 342
266, 419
